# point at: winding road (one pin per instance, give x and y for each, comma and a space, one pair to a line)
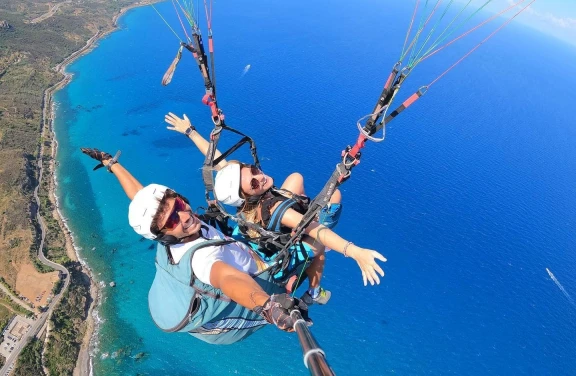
41, 319
48, 14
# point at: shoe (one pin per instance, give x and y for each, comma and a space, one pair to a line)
321, 299
330, 215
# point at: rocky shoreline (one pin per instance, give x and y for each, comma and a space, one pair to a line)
84, 362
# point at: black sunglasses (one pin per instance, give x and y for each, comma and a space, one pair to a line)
254, 183
173, 218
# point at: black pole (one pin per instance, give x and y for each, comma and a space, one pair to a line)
314, 357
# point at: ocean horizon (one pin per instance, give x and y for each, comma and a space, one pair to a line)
470, 197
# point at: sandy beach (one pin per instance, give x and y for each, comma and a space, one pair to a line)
83, 365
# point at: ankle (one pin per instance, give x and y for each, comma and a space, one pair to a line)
314, 292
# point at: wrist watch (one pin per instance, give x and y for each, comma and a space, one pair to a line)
188, 131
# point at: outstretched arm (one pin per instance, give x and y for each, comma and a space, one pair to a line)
185, 126
128, 182
244, 290
366, 258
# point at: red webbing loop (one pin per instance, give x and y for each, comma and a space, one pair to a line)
390, 79
217, 116
411, 99
360, 143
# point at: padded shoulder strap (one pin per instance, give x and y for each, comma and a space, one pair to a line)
208, 243
276, 220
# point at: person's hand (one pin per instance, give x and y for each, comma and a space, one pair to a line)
178, 124
277, 310
100, 156
366, 259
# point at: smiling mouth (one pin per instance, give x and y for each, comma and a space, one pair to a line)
189, 223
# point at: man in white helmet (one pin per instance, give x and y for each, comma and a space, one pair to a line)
204, 283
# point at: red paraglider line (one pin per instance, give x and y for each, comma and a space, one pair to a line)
481, 43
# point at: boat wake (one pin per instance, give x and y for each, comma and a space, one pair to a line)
561, 288
246, 69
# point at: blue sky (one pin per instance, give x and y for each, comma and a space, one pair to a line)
554, 17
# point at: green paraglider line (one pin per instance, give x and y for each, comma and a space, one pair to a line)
481, 43
410, 28
426, 56
441, 39
420, 29
414, 57
180, 19
167, 24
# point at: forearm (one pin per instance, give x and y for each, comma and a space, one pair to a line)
202, 144
128, 182
330, 239
237, 285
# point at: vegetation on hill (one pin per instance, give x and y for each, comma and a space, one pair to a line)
68, 324
35, 37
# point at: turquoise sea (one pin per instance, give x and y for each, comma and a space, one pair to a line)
471, 196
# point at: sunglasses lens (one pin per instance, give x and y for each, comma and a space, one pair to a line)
254, 170
179, 204
172, 221
254, 183
174, 218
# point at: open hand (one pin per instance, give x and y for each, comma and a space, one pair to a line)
178, 124
366, 259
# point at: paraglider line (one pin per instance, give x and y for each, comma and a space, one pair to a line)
479, 44
180, 19
469, 31
167, 24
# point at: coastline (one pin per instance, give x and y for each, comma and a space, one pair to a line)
84, 362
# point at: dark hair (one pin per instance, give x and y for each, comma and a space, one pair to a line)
168, 240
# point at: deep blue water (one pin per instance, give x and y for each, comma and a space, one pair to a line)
471, 196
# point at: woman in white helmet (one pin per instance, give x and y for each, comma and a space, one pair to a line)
252, 191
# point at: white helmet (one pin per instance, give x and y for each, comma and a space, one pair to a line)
227, 185
143, 208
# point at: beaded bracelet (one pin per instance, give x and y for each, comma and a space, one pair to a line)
346, 247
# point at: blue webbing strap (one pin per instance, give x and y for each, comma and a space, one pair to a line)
275, 222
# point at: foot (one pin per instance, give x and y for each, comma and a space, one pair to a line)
322, 298
330, 215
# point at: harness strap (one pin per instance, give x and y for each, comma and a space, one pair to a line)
407, 103
383, 99
276, 220
201, 59
207, 243
210, 162
216, 219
